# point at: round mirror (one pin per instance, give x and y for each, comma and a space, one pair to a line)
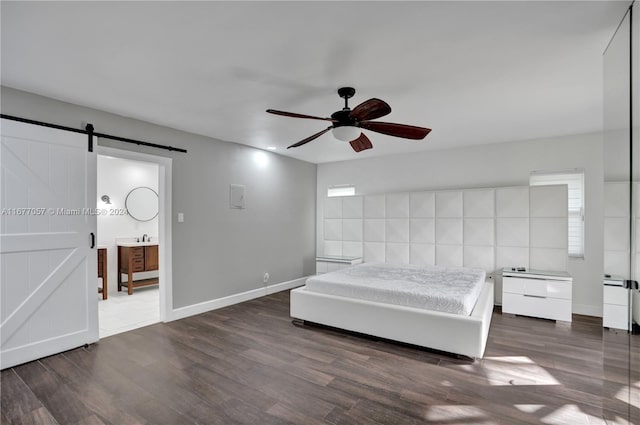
142, 203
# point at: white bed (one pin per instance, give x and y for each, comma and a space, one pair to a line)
401, 303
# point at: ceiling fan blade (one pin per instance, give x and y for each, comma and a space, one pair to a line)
370, 110
397, 130
361, 143
294, 115
310, 138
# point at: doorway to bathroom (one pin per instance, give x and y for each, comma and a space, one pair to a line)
134, 235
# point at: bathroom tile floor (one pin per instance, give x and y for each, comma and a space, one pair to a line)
121, 312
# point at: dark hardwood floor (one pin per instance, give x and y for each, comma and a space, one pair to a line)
247, 364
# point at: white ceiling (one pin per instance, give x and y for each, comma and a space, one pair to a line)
475, 72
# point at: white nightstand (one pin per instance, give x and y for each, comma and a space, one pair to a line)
615, 306
330, 263
537, 293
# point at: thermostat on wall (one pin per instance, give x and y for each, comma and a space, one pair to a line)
236, 196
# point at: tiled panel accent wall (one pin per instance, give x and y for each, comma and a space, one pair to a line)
485, 228
616, 228
343, 226
375, 228
449, 228
422, 228
512, 226
479, 228
397, 228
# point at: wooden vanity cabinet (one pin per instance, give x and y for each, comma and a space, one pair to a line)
102, 272
135, 259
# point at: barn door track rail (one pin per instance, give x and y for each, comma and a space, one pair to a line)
89, 130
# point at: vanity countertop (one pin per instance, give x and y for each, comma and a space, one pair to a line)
137, 243
129, 242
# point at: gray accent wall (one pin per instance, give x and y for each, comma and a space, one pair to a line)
217, 251
495, 165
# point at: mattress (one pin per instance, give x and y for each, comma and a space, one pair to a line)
446, 289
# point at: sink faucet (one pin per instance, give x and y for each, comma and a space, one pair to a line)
144, 238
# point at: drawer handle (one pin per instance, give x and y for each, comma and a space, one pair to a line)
534, 296
537, 278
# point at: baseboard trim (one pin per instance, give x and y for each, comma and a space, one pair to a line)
278, 287
203, 307
587, 310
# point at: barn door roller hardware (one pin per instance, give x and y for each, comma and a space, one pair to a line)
89, 130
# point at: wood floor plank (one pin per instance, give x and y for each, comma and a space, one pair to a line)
92, 420
90, 392
40, 416
60, 401
17, 398
248, 364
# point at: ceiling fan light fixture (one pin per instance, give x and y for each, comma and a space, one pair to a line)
346, 124
346, 133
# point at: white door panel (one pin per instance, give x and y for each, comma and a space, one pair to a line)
48, 269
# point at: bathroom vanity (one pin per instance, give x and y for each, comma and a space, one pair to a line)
136, 257
102, 271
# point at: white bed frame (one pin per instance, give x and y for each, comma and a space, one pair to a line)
453, 333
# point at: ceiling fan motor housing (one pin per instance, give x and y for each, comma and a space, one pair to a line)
342, 117
346, 92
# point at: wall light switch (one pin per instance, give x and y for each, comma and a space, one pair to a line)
180, 217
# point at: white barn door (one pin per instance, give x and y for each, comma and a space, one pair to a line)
48, 270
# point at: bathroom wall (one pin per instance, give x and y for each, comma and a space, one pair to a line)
116, 178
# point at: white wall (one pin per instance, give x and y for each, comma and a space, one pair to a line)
217, 252
116, 178
496, 165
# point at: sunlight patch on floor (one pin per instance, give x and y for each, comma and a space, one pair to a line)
511, 359
515, 370
457, 414
528, 408
630, 395
635, 395
570, 414
623, 394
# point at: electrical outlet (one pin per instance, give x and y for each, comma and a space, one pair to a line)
266, 278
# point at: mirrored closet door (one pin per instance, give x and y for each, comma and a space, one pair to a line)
621, 158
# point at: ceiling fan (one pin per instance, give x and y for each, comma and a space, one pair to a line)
347, 122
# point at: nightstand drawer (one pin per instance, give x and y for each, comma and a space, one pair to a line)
328, 264
559, 289
332, 267
615, 316
546, 308
615, 295
321, 267
537, 287
537, 293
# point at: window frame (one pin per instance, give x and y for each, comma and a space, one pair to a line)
341, 190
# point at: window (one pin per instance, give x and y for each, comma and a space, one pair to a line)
345, 190
574, 179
